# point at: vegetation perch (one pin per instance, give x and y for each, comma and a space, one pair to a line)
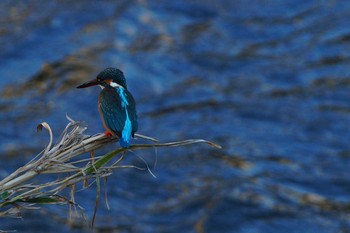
18, 190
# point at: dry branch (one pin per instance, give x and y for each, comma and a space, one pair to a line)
17, 190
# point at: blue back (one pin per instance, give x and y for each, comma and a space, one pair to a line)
118, 109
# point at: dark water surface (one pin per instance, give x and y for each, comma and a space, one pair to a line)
268, 80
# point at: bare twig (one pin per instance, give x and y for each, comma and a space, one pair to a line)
62, 157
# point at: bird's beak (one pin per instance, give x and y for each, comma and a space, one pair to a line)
88, 84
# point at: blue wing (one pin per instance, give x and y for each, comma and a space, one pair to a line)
118, 110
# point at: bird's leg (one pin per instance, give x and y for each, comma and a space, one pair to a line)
108, 134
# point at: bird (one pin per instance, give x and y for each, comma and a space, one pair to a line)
116, 105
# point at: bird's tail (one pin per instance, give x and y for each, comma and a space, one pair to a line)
124, 143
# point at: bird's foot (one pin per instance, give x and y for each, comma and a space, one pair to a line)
108, 134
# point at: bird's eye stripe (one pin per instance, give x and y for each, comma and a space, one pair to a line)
113, 84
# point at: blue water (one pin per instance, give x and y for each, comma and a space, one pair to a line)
267, 80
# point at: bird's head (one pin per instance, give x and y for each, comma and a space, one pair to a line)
108, 77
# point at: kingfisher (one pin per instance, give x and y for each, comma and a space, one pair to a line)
116, 105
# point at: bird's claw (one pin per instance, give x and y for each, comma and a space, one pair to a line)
108, 134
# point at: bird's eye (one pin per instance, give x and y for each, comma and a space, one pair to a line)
99, 80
